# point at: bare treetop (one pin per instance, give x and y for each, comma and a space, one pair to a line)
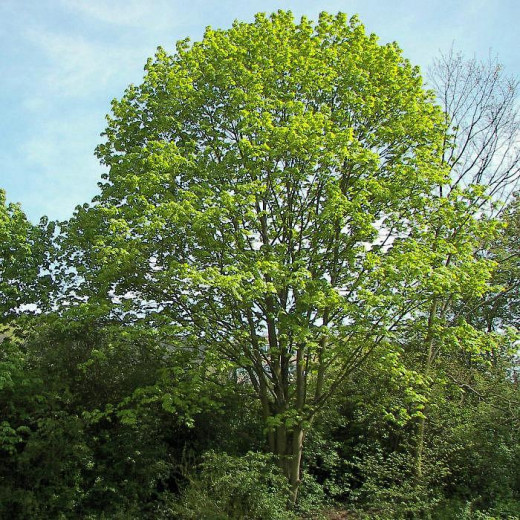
483, 123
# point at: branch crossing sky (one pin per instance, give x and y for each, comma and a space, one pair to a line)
63, 61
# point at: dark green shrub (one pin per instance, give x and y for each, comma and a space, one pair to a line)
229, 487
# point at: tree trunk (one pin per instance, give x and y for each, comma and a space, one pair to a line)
288, 451
421, 427
295, 463
419, 451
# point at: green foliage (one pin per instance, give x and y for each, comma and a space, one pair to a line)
61, 457
24, 260
469, 511
228, 487
390, 489
501, 309
364, 457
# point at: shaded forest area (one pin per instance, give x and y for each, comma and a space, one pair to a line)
295, 296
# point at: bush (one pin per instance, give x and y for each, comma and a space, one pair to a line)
228, 487
469, 510
390, 490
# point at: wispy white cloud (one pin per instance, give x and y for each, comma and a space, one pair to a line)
77, 66
132, 13
119, 12
80, 65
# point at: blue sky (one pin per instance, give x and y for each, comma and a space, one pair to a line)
62, 61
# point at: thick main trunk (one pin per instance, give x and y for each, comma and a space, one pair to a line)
295, 463
288, 451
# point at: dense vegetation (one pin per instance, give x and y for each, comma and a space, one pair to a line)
295, 296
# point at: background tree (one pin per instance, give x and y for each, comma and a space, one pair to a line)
480, 153
24, 260
480, 103
500, 309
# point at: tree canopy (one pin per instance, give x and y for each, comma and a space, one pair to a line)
272, 199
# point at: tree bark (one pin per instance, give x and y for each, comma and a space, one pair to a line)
295, 463
429, 341
289, 451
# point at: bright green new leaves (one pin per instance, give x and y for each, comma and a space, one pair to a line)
273, 197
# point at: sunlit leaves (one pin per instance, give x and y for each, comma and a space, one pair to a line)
274, 198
